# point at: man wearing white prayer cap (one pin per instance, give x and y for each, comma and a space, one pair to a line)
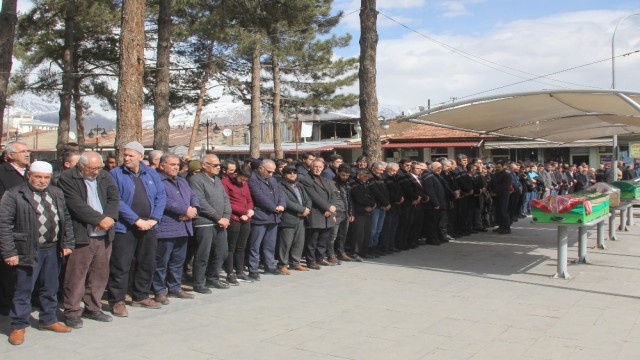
35, 232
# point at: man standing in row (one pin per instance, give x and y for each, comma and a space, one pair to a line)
142, 201
35, 232
173, 231
93, 201
323, 215
269, 203
291, 232
210, 226
12, 173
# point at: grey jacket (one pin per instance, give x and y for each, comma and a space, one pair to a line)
290, 217
18, 224
214, 202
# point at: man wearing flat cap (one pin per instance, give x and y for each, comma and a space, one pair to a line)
142, 202
35, 233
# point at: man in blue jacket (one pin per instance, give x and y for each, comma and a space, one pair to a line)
269, 202
173, 231
142, 202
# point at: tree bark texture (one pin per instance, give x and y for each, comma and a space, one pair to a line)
254, 127
131, 75
277, 141
8, 19
196, 120
162, 110
367, 76
77, 104
68, 78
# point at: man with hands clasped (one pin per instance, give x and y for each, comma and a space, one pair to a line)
142, 202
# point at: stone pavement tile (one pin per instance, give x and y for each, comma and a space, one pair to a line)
187, 354
619, 319
448, 327
474, 338
552, 348
411, 346
346, 343
255, 350
297, 336
447, 354
497, 350
595, 301
521, 337
576, 324
592, 353
629, 351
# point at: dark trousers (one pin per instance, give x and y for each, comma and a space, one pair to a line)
341, 216
45, 276
415, 227
266, 236
86, 276
361, 233
404, 223
451, 220
340, 236
170, 257
391, 220
291, 244
436, 223
316, 243
237, 236
503, 218
7, 286
140, 245
209, 254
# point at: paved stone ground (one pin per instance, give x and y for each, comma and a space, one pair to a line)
481, 297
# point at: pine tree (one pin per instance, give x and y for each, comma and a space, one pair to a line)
8, 19
131, 75
368, 94
81, 67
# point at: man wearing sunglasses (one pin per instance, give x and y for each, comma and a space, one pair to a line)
269, 202
210, 226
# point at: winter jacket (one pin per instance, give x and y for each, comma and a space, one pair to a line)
155, 193
83, 216
179, 198
18, 224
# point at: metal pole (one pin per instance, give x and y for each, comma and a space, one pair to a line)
582, 244
562, 272
614, 161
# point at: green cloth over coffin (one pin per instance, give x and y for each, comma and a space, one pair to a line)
577, 215
629, 189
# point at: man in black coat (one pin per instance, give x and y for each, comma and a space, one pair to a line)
93, 201
322, 219
437, 206
35, 233
363, 205
291, 231
11, 174
501, 186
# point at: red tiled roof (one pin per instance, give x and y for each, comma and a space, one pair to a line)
421, 131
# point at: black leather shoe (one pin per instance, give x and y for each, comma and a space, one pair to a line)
449, 238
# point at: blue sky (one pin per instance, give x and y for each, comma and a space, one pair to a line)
505, 42
534, 37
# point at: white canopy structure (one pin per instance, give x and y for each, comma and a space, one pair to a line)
559, 116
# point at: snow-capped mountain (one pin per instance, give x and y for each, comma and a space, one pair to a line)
223, 112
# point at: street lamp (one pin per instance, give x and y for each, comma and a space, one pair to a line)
216, 129
614, 162
97, 132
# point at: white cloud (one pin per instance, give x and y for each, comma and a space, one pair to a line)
455, 8
414, 69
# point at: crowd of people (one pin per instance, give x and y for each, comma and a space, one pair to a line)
71, 235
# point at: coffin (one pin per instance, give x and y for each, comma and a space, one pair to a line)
577, 208
629, 189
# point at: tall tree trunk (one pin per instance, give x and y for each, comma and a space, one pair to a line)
67, 76
196, 119
277, 141
203, 92
162, 109
77, 104
130, 75
367, 76
254, 128
8, 19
